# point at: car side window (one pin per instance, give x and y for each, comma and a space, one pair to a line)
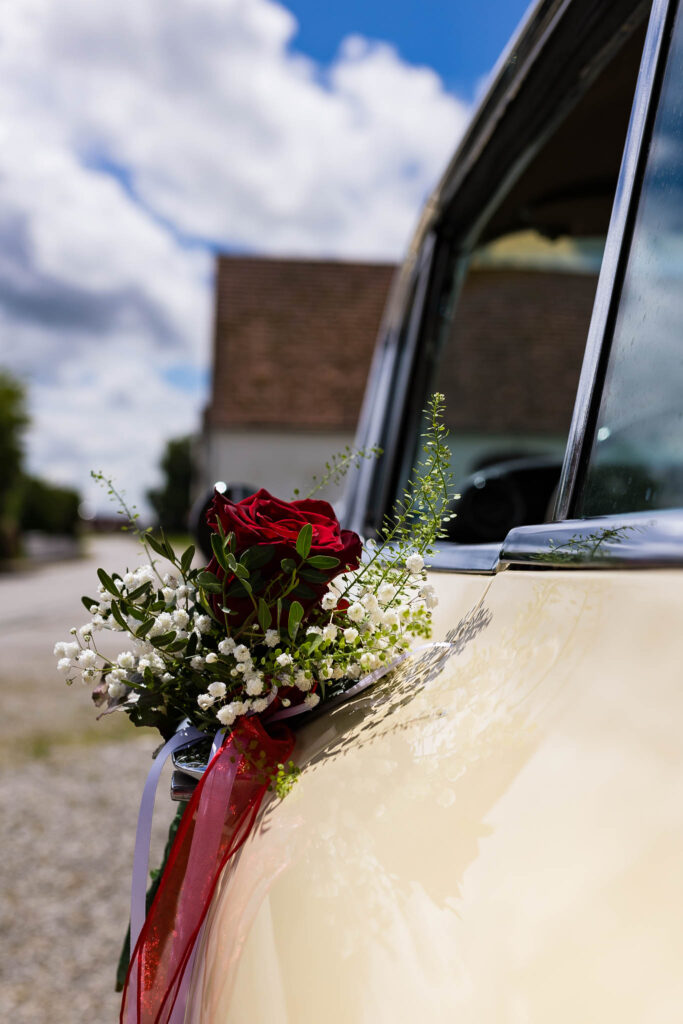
636, 452
506, 326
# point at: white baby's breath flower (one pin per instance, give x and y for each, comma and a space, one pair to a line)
351, 635
87, 659
202, 623
353, 671
145, 574
226, 715
314, 631
311, 699
217, 689
64, 666
428, 595
390, 618
170, 581
284, 660
133, 697
130, 580
182, 591
338, 672
329, 601
167, 677
66, 650
260, 705
356, 612
197, 662
387, 592
227, 646
85, 632
415, 562
168, 594
330, 632
254, 685
211, 658
126, 660
180, 618
272, 638
115, 689
370, 601
366, 661
302, 680
205, 700
241, 653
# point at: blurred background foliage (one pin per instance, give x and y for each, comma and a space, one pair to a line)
27, 503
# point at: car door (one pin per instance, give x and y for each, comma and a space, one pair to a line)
495, 831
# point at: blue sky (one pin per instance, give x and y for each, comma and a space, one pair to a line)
460, 39
144, 137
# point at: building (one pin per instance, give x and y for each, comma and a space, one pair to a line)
293, 341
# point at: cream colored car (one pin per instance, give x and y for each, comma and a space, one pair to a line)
494, 833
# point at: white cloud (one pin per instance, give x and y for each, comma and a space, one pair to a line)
217, 130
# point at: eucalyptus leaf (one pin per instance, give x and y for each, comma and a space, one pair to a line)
323, 561
304, 540
265, 616
107, 582
296, 614
217, 547
288, 565
186, 560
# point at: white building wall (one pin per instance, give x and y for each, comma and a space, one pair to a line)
277, 460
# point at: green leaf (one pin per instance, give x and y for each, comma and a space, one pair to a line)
304, 540
296, 614
156, 545
279, 612
205, 577
301, 590
257, 556
246, 585
107, 582
241, 571
165, 638
314, 643
176, 646
312, 575
116, 612
88, 602
323, 561
288, 565
265, 616
139, 591
217, 547
186, 560
212, 588
191, 645
144, 629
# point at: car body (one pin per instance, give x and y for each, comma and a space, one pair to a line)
494, 832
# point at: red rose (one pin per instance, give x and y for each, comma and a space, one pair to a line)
264, 521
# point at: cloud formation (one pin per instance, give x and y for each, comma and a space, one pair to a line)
137, 138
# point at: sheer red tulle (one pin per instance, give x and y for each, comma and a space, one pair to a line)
217, 821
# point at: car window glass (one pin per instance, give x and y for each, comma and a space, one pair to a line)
505, 325
509, 366
636, 460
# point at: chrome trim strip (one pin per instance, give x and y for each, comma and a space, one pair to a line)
479, 558
651, 540
615, 256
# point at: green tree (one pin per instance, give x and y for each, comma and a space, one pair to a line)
13, 421
171, 501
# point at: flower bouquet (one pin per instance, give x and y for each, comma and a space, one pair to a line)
291, 613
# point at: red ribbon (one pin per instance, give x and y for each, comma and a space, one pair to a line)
217, 821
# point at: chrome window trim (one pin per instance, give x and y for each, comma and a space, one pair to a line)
614, 260
644, 540
483, 559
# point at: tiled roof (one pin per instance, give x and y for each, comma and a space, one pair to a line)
293, 341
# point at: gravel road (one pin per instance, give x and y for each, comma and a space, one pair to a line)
70, 788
